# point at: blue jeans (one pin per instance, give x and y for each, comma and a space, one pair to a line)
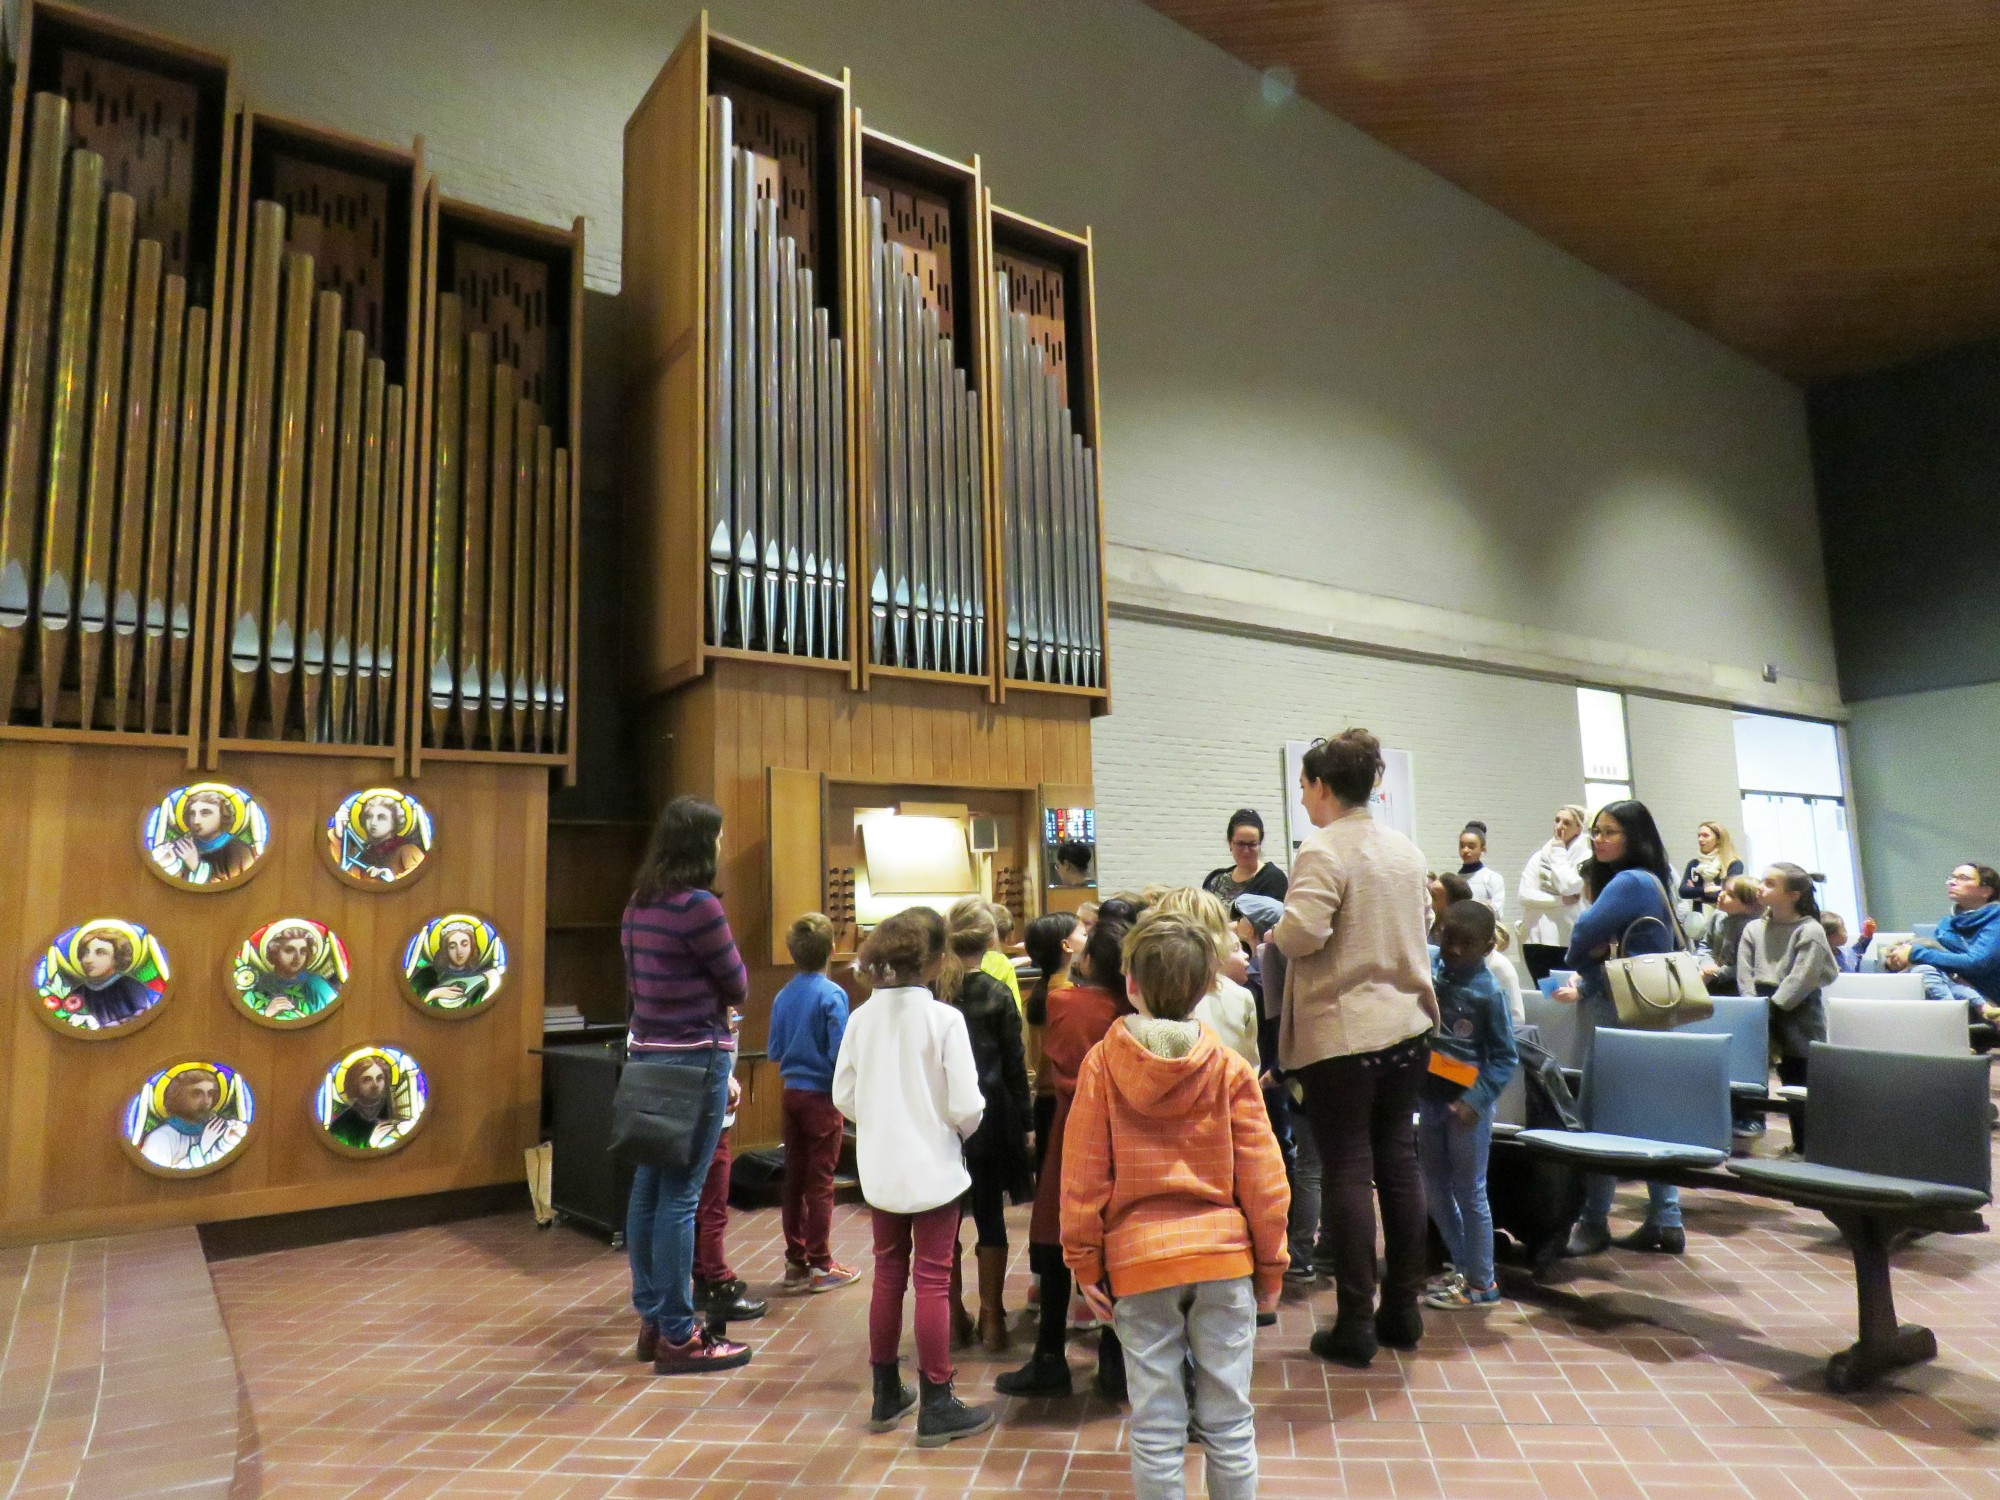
659, 1217
1453, 1156
1939, 985
1663, 1199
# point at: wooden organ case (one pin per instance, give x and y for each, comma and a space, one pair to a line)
879, 430
232, 489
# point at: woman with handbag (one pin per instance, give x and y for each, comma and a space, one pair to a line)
1631, 913
682, 975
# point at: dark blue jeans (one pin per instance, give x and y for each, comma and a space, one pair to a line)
659, 1217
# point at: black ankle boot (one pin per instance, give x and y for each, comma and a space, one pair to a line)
1110, 1382
943, 1418
1588, 1239
1351, 1341
1043, 1375
1400, 1326
1651, 1237
893, 1399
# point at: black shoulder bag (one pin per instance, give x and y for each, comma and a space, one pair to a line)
661, 1109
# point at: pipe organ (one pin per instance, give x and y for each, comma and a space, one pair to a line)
865, 585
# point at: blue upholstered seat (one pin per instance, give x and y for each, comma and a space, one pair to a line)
1653, 1101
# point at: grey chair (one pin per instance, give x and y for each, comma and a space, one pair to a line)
1561, 1027
1654, 1102
1880, 986
1747, 1024
1897, 1141
1510, 1113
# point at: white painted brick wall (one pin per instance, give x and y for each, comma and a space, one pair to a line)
1201, 719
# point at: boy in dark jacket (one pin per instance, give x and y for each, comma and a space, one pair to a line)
1472, 1060
808, 1018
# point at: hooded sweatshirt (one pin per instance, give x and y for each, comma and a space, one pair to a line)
1199, 1190
1967, 947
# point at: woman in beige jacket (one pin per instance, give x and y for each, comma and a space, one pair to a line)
1355, 1030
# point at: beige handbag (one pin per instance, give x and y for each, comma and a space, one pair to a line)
1657, 991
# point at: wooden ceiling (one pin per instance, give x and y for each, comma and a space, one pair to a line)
1816, 182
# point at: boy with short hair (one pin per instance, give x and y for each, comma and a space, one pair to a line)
808, 1018
1473, 1059
1189, 1236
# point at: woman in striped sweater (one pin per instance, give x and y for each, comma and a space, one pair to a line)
682, 974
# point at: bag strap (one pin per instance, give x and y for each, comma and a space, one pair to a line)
1679, 932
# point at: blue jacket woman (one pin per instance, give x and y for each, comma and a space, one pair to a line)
1628, 881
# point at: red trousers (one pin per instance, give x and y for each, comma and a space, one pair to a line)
812, 1131
931, 1238
711, 1218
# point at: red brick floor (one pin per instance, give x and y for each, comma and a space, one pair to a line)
116, 1378
488, 1358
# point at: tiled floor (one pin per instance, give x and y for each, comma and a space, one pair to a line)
116, 1378
492, 1359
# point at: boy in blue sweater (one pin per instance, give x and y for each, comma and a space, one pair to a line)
1962, 961
808, 1019
1472, 1060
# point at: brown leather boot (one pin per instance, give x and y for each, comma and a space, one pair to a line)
992, 1283
963, 1334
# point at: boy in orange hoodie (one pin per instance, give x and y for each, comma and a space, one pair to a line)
1174, 1193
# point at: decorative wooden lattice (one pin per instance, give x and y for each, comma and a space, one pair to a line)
1011, 891
340, 219
146, 128
507, 296
786, 136
1036, 288
918, 223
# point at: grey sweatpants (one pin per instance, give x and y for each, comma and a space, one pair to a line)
1212, 1324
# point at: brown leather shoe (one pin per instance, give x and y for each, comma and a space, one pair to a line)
649, 1341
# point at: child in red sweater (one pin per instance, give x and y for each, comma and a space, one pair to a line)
1186, 1242
1078, 1018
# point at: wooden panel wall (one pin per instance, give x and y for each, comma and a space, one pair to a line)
79, 814
665, 145
719, 737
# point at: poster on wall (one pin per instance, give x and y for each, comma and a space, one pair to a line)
1394, 803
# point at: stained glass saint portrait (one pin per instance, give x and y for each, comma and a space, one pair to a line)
190, 1117
372, 1100
455, 965
289, 973
101, 978
206, 837
379, 837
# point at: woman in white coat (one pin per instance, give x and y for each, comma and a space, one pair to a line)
1552, 889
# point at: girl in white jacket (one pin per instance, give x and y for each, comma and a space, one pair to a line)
906, 1078
1552, 884
1489, 889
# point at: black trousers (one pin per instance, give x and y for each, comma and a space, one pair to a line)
1792, 1072
1361, 1110
986, 1203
